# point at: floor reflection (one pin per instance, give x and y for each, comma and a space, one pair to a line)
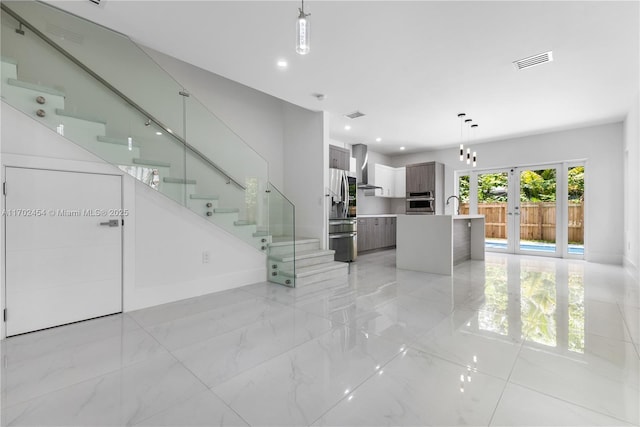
537, 300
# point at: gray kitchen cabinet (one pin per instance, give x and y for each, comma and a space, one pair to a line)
364, 234
389, 232
376, 233
422, 177
393, 231
339, 158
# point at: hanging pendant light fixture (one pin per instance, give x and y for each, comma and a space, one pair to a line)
461, 117
474, 127
302, 32
468, 121
468, 156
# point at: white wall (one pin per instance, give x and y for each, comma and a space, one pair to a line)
631, 191
257, 118
306, 159
163, 242
601, 147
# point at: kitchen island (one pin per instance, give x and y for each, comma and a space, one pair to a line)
435, 243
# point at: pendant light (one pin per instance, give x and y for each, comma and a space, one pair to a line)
470, 157
302, 32
468, 121
474, 127
461, 117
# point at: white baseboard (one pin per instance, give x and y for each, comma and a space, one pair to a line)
631, 268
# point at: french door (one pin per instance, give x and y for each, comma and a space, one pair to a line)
536, 210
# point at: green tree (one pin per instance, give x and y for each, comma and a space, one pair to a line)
538, 186
463, 189
576, 184
492, 187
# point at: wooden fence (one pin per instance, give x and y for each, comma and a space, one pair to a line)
537, 220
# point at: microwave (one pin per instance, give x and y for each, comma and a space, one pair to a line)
420, 203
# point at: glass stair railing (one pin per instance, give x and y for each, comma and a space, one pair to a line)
101, 91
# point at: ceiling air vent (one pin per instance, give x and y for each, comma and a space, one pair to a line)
532, 61
354, 115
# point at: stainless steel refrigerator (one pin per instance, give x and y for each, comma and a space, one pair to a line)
343, 236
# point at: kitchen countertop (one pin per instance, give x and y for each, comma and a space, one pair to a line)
396, 215
467, 216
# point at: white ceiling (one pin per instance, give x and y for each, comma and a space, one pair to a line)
412, 66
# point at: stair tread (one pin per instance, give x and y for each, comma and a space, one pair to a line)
226, 210
242, 223
302, 255
8, 60
260, 234
116, 141
172, 180
36, 87
203, 196
301, 241
315, 269
79, 116
149, 162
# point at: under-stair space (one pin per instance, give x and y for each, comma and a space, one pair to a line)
312, 264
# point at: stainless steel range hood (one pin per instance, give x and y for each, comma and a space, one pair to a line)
362, 167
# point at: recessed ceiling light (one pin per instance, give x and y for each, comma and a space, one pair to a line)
401, 148
158, 133
282, 63
378, 139
347, 127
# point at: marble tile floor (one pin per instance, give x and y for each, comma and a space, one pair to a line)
514, 340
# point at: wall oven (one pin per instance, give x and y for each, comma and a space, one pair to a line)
420, 203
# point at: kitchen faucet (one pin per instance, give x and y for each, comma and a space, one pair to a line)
457, 198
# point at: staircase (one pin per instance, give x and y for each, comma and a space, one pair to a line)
47, 106
290, 263
312, 264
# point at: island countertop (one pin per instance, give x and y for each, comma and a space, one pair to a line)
434, 243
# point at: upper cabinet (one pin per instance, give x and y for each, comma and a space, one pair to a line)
401, 182
339, 157
392, 181
421, 177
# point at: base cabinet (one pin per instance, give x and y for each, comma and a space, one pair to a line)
376, 233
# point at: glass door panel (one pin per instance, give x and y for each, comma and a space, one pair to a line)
536, 213
493, 200
575, 211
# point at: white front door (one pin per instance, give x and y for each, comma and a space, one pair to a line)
63, 255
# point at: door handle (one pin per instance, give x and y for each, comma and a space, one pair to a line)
110, 223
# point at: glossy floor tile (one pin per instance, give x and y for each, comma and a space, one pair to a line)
513, 340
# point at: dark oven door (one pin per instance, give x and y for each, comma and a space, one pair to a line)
420, 203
